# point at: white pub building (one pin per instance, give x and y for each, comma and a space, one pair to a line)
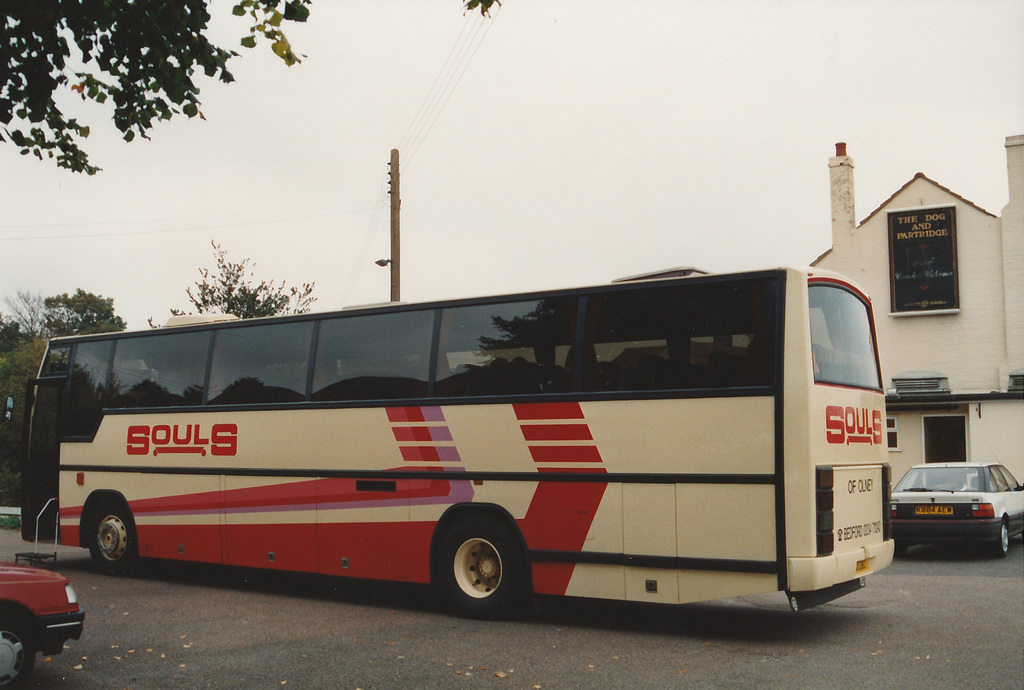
947, 282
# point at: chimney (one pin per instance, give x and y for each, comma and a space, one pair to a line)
844, 218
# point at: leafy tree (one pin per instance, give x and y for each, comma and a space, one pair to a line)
80, 313
230, 289
34, 317
483, 5
140, 55
29, 314
10, 335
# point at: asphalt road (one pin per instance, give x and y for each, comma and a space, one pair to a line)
940, 617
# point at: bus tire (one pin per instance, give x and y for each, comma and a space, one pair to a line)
113, 544
481, 569
17, 649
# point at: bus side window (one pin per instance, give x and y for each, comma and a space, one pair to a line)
512, 348
267, 363
159, 371
89, 371
56, 362
373, 357
678, 337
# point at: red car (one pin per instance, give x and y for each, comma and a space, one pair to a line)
38, 613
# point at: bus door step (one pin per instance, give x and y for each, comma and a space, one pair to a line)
34, 558
37, 560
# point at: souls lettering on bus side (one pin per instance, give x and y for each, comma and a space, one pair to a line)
849, 425
219, 439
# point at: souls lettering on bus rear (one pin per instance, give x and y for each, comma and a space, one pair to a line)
852, 425
197, 439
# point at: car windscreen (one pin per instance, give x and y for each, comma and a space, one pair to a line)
943, 479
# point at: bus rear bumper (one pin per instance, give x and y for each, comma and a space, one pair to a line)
823, 572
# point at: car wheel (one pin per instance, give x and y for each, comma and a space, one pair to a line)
480, 568
1001, 546
17, 652
901, 547
113, 545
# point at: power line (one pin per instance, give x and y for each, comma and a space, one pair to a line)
361, 262
353, 205
454, 68
192, 228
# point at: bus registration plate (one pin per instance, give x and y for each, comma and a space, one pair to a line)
862, 565
933, 510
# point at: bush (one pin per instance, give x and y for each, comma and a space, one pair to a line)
10, 486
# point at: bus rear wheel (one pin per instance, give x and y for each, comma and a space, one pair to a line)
481, 570
113, 546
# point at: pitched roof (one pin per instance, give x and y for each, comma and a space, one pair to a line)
922, 176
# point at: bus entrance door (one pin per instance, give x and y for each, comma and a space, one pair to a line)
40, 470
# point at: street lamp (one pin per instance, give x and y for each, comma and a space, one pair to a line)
395, 297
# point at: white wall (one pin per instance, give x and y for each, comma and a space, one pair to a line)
968, 347
976, 347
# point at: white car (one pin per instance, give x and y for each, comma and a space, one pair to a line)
958, 502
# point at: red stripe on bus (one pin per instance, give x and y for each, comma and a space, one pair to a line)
559, 519
539, 411
557, 432
406, 434
203, 502
420, 454
194, 543
412, 433
300, 495
565, 454
405, 414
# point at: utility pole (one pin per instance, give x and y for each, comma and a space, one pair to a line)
396, 211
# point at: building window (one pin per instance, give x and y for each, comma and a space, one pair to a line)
892, 432
945, 438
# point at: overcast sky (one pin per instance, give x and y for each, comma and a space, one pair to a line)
556, 144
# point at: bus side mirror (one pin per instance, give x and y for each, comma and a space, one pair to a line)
8, 408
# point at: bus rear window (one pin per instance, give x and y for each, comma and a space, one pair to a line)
842, 340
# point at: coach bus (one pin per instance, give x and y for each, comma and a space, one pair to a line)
661, 440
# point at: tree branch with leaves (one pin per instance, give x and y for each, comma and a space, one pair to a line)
230, 288
140, 56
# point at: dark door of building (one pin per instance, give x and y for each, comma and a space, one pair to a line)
945, 438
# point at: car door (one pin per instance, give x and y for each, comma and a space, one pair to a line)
1014, 499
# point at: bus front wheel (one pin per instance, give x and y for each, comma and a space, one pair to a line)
481, 570
113, 546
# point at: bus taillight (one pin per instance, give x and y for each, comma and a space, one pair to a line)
887, 514
824, 502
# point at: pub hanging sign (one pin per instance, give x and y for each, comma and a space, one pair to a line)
922, 260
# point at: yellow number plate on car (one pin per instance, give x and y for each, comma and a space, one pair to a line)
862, 565
933, 510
